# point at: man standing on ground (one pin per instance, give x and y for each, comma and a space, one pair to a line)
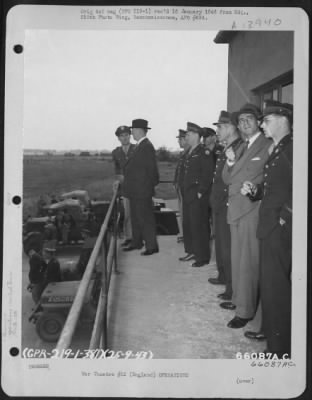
141, 177
275, 228
120, 156
243, 216
228, 135
179, 177
198, 176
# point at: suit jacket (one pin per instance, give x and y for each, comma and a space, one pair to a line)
198, 174
276, 189
141, 172
219, 191
249, 167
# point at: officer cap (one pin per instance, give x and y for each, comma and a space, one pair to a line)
140, 123
206, 132
277, 108
182, 133
194, 128
123, 129
226, 117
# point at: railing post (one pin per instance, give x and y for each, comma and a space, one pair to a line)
105, 295
115, 233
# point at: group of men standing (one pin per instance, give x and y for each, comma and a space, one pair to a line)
251, 205
241, 187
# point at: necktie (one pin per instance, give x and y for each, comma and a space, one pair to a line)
246, 145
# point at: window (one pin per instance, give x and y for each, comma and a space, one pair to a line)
280, 89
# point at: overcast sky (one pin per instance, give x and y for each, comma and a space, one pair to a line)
81, 85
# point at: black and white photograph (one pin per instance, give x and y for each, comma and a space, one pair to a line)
155, 187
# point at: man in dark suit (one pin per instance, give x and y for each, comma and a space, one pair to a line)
275, 228
120, 156
141, 177
229, 136
179, 178
243, 215
198, 176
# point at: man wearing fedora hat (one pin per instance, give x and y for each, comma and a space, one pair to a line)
227, 134
141, 177
198, 175
179, 177
120, 156
243, 215
275, 228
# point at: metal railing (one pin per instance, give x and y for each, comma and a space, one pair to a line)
108, 259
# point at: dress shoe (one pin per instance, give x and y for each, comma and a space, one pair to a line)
238, 322
127, 242
149, 252
188, 257
255, 335
216, 281
224, 296
227, 305
130, 248
198, 264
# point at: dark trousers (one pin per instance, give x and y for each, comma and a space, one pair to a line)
223, 248
143, 223
196, 228
275, 288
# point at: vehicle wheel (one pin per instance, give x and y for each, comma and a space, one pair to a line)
49, 326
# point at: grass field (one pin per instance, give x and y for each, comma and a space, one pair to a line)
46, 175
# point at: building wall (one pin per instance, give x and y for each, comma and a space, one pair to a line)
254, 59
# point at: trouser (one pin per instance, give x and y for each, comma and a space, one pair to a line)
223, 248
275, 288
180, 205
196, 228
65, 233
36, 291
127, 228
143, 223
245, 264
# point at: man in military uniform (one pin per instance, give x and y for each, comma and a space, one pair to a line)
141, 177
179, 177
36, 274
198, 176
243, 215
52, 271
228, 135
210, 143
120, 156
275, 228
